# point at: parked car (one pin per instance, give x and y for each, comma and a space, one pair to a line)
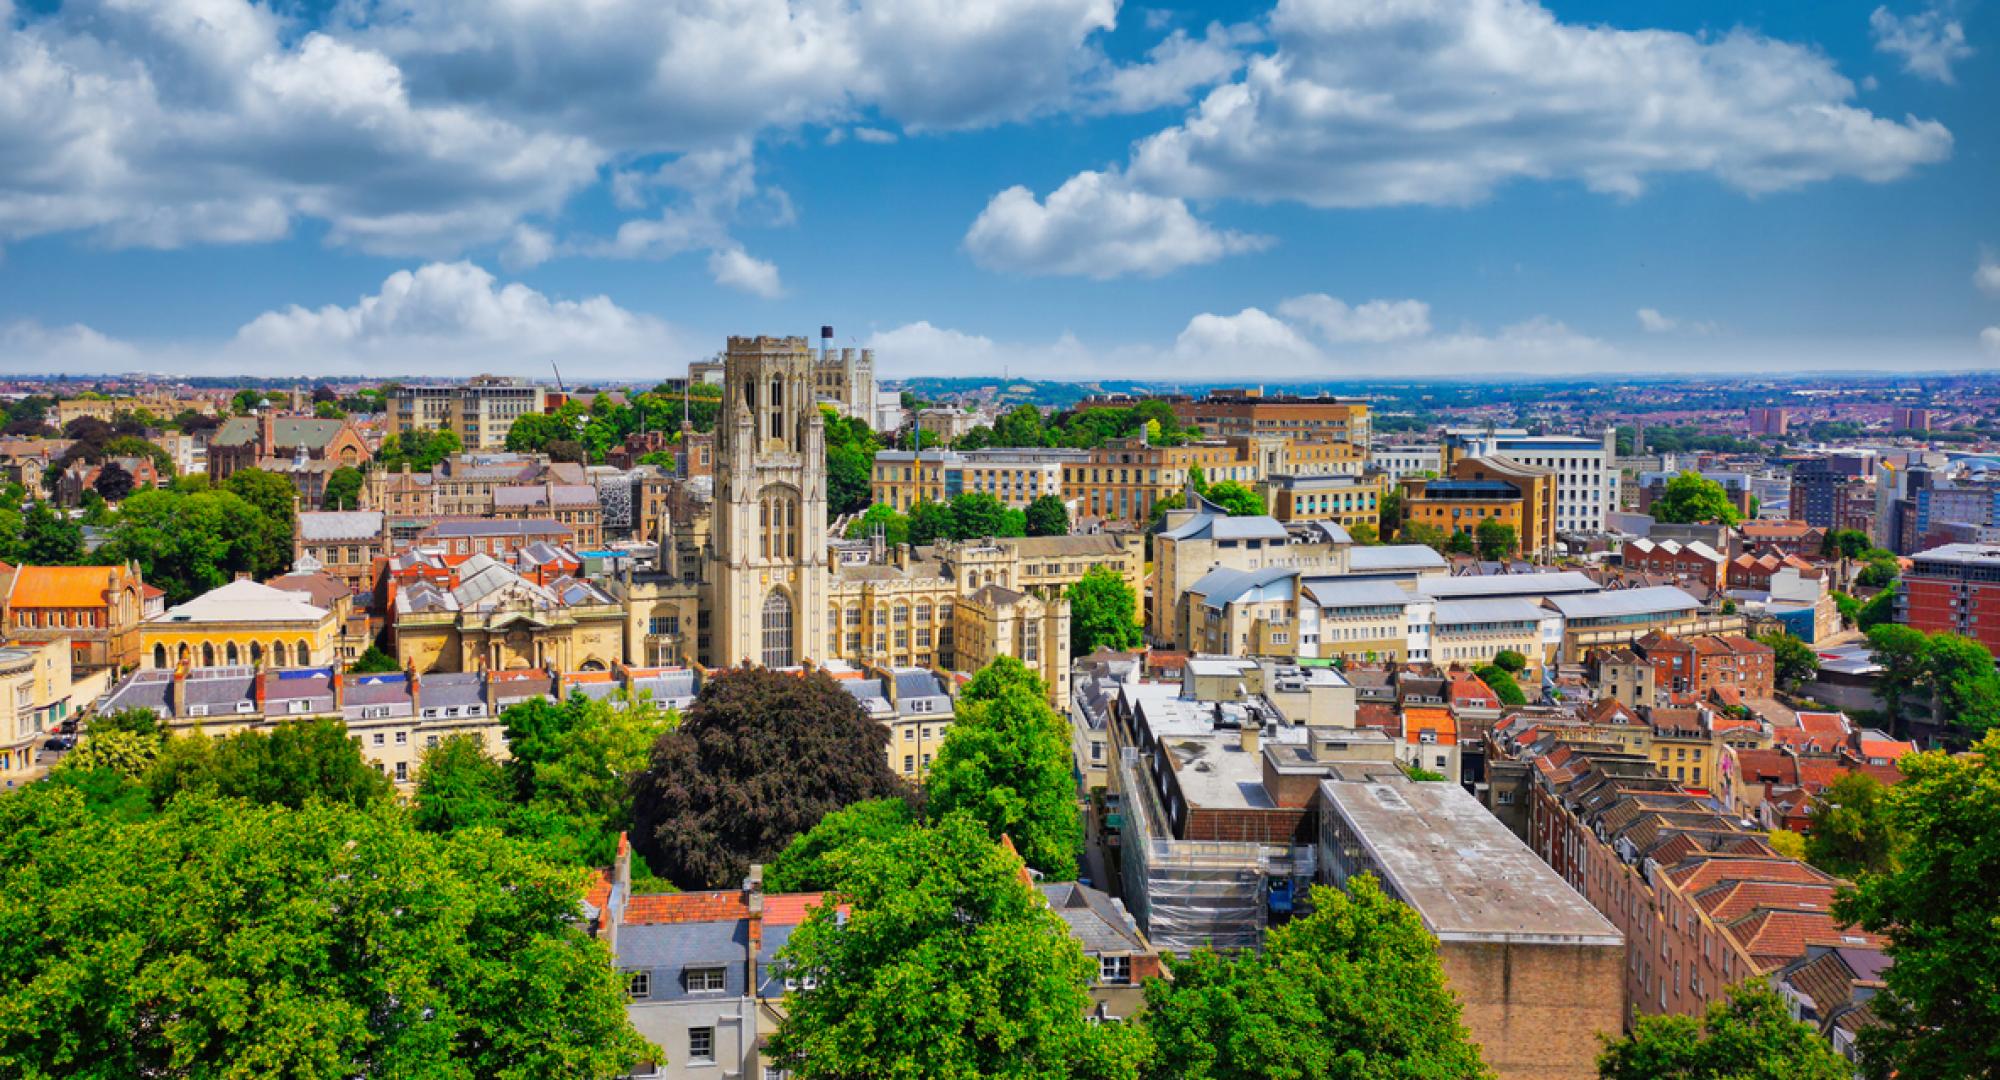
59, 743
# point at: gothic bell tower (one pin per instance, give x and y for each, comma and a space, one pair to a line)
769, 602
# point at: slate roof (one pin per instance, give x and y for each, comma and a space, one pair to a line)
1099, 923
1221, 587
340, 525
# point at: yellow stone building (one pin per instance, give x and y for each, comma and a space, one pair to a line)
494, 619
243, 623
1478, 490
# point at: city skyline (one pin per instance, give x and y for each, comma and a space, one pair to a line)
1310, 191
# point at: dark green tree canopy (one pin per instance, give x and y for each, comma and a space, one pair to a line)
1692, 497
1354, 991
1238, 500
1750, 1034
1796, 662
947, 966
223, 938
1852, 832
1496, 539
759, 758
297, 762
1102, 610
1941, 913
1006, 761
1047, 516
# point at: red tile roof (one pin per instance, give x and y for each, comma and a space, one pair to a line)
655, 909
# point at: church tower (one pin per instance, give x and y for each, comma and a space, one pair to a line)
769, 601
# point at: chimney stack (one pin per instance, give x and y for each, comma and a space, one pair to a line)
753, 901
257, 687
337, 682
178, 698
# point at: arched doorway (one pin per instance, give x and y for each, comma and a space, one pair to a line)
160, 656
777, 629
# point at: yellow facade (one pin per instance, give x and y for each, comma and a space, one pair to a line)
1346, 501
242, 623
35, 695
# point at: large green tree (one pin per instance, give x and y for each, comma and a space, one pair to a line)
895, 526
1047, 516
1941, 914
422, 449
343, 489
227, 939
946, 965
1503, 684
1238, 500
1795, 661
815, 859
1101, 612
1748, 1036
277, 500
930, 522
1900, 650
1965, 688
1352, 990
460, 786
189, 543
760, 757
977, 514
1692, 497
49, 538
295, 763
1497, 540
1851, 833
1006, 761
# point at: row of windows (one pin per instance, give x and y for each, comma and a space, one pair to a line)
281, 655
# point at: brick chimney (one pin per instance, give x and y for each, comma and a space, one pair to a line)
178, 698
257, 687
415, 683
267, 433
492, 694
337, 683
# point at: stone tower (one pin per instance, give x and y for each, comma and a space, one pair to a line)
769, 599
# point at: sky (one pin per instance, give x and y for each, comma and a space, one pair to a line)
1320, 189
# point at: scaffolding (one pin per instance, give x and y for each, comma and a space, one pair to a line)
1189, 893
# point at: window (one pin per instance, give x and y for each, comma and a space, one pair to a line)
379, 737
701, 1046
703, 980
1114, 969
402, 771
639, 986
402, 737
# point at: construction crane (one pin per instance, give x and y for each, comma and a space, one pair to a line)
560, 389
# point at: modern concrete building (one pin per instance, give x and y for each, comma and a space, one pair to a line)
1585, 469
480, 411
1539, 972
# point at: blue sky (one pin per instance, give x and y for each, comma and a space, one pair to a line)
1064, 188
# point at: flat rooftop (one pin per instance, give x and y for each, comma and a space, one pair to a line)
1466, 875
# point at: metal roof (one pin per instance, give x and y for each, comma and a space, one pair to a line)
1650, 600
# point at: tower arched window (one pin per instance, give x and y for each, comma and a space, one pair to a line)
777, 624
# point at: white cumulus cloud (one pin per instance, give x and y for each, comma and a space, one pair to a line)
738, 269
1395, 102
1094, 225
448, 316
1987, 277
1929, 41
1374, 321
1990, 337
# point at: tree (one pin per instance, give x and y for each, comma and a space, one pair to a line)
930, 522
1354, 989
1846, 543
1510, 661
1787, 843
848, 477
276, 499
1851, 832
1006, 762
574, 779
48, 538
1238, 500
760, 757
1101, 606
1363, 534
1423, 532
1848, 606
113, 482
1749, 1034
343, 489
373, 661
815, 860
127, 753
460, 786
895, 527
977, 514
224, 938
1020, 427
1900, 650
1879, 568
1965, 689
1047, 516
1939, 909
1497, 540
1390, 511
297, 762
1795, 662
1880, 610
1503, 685
1692, 497
1461, 542
187, 544
421, 449
947, 965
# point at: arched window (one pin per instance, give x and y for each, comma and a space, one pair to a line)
777, 407
184, 652
278, 654
777, 629
207, 654
301, 653
256, 653
231, 656
159, 656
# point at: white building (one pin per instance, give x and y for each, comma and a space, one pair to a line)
1396, 462
1585, 467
